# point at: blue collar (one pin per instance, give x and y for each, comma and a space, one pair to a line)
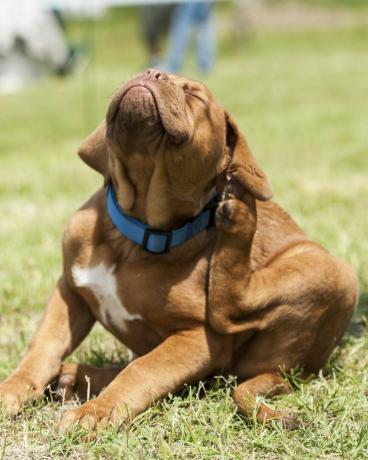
158, 241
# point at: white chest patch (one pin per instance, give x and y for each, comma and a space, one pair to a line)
102, 282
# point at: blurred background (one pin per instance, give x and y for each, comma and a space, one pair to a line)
293, 73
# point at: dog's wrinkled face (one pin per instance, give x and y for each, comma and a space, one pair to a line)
165, 144
156, 103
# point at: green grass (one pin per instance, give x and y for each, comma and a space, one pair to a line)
301, 99
335, 3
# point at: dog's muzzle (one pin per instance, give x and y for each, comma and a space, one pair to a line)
138, 108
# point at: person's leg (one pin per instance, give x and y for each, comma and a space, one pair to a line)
206, 43
179, 36
149, 31
155, 20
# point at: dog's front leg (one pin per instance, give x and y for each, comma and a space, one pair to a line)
67, 320
182, 358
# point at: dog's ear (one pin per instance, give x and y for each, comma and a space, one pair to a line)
242, 166
93, 151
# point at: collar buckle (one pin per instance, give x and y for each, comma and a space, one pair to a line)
158, 233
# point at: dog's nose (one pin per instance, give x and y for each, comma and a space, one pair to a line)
153, 74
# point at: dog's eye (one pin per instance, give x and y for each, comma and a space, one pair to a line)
193, 94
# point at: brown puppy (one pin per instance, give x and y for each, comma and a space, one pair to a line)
249, 298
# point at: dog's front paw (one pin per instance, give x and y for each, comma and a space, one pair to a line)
15, 392
91, 416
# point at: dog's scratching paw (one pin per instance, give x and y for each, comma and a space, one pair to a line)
237, 211
226, 213
235, 217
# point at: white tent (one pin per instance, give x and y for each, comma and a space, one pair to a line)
31, 43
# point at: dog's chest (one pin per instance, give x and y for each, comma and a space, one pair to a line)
102, 282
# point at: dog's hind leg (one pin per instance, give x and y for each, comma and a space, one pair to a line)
84, 381
268, 385
304, 275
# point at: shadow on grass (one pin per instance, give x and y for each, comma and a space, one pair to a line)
358, 325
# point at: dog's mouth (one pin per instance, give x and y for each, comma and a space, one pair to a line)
139, 108
144, 105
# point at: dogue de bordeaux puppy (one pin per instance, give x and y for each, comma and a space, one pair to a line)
192, 290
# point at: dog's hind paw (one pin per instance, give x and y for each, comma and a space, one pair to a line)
236, 217
237, 213
289, 422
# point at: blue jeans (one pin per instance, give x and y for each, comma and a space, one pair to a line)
189, 16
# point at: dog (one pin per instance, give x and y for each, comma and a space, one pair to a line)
193, 283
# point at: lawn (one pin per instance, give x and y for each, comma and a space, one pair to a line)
301, 98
